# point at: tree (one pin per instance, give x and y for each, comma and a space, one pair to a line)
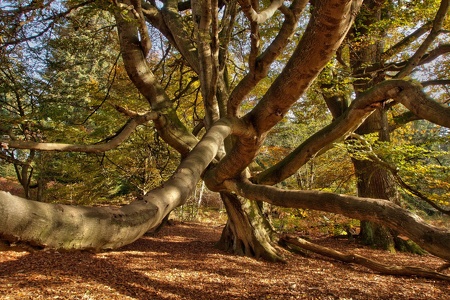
204, 35
370, 55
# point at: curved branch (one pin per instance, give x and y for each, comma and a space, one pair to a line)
264, 61
168, 125
413, 98
71, 227
179, 35
404, 92
260, 17
433, 239
329, 25
111, 143
437, 25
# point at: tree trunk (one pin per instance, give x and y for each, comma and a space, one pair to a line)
372, 180
375, 182
24, 176
247, 231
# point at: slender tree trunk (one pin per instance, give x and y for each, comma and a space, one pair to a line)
24, 177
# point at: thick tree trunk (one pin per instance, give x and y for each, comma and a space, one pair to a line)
373, 181
247, 231
376, 182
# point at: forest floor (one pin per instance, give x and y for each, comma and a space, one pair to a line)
181, 262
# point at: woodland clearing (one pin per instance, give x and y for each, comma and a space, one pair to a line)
181, 262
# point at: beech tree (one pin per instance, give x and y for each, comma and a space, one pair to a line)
232, 49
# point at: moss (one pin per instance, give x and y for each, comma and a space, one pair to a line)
407, 245
377, 236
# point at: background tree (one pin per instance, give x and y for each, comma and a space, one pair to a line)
370, 55
237, 107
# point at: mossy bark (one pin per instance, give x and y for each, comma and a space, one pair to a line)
377, 235
375, 182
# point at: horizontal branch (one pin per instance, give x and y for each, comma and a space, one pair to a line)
433, 239
96, 148
435, 82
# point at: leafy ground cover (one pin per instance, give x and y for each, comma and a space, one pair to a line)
181, 262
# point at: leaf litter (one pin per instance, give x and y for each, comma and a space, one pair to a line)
181, 262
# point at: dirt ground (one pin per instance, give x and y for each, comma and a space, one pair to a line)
181, 262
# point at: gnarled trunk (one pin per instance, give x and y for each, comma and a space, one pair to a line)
247, 231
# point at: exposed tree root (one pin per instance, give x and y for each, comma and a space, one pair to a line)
364, 261
443, 267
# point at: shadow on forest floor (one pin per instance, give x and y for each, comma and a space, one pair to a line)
181, 262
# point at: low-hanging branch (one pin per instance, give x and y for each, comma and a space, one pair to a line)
433, 239
110, 143
81, 227
364, 261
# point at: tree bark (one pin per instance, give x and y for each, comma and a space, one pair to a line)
433, 239
366, 262
71, 227
247, 231
372, 180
